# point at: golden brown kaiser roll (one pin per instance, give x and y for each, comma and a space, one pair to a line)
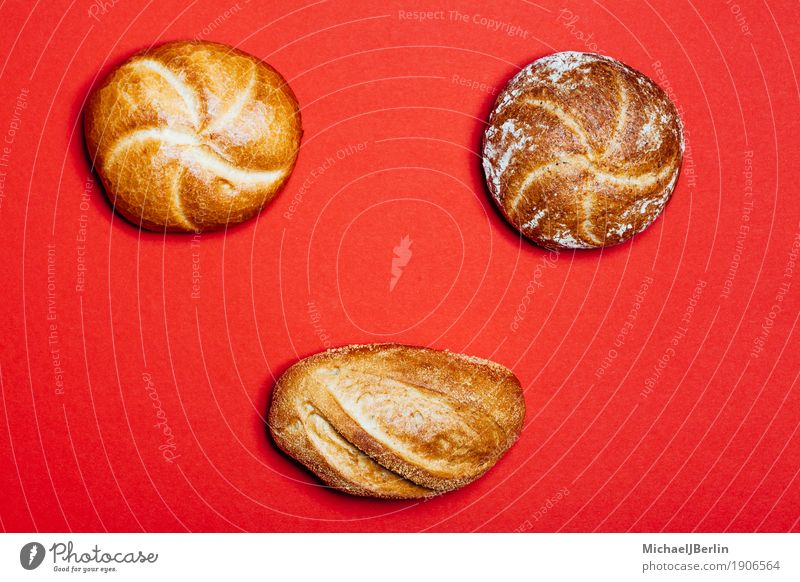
387, 420
192, 136
582, 151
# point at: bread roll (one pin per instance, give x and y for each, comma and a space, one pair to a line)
192, 136
582, 151
388, 420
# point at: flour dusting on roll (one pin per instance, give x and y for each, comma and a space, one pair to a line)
192, 136
582, 151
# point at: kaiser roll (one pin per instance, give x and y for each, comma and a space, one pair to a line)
582, 151
192, 136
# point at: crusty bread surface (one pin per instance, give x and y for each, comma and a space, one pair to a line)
581, 151
395, 421
192, 136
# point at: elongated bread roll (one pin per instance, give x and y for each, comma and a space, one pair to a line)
582, 151
192, 136
388, 420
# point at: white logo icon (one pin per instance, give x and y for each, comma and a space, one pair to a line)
402, 255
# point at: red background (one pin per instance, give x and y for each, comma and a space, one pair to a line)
713, 447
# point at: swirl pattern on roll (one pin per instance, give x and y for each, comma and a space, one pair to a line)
582, 151
192, 136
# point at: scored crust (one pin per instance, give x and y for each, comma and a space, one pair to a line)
192, 136
582, 151
395, 421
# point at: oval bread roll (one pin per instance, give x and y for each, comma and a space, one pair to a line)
192, 136
582, 151
388, 420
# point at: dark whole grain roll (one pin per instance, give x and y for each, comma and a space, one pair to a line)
581, 151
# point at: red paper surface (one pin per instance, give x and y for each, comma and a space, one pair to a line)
673, 407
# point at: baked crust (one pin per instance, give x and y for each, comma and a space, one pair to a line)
388, 420
192, 136
582, 151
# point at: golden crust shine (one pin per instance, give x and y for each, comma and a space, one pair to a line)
192, 136
388, 420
